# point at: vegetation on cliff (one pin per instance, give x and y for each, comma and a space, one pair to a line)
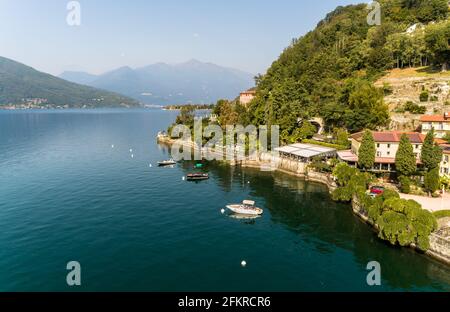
20, 84
401, 222
330, 71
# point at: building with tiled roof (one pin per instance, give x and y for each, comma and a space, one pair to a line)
387, 143
247, 96
440, 123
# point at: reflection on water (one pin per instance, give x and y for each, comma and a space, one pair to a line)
243, 217
306, 209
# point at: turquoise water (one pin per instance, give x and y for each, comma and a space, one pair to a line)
66, 194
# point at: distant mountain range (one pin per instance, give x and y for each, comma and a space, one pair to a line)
162, 84
23, 85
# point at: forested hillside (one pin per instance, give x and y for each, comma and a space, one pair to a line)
20, 84
330, 71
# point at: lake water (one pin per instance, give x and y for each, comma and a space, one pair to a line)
66, 194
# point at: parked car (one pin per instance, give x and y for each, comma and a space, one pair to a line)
377, 190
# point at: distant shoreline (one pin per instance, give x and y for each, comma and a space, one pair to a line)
3, 108
15, 108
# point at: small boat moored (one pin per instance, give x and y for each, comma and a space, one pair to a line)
197, 176
246, 208
169, 162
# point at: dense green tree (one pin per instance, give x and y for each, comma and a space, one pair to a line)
437, 40
405, 184
405, 160
342, 137
404, 222
432, 180
366, 108
227, 113
307, 130
413, 11
367, 150
186, 116
431, 155
351, 182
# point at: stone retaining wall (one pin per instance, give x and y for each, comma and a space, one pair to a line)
440, 247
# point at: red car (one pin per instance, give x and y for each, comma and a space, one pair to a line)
378, 190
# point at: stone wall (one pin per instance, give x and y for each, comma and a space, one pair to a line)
440, 247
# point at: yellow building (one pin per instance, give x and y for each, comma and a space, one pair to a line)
247, 96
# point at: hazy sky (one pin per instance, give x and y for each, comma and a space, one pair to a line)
245, 34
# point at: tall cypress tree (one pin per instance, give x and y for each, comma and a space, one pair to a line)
432, 181
367, 150
431, 155
405, 160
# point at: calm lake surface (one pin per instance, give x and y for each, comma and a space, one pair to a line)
66, 194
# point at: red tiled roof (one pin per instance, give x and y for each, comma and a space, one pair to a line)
434, 118
392, 136
440, 141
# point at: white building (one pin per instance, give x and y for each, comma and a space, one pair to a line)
440, 123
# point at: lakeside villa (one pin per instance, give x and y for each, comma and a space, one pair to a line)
387, 143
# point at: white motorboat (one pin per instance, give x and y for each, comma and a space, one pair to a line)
246, 208
169, 162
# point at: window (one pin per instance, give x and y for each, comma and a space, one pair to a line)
378, 154
378, 145
389, 145
389, 153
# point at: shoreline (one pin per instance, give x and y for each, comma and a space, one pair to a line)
440, 252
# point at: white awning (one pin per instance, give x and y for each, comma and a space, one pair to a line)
307, 150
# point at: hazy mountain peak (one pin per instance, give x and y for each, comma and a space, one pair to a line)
189, 82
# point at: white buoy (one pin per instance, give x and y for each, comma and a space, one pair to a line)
131, 150
132, 155
150, 165
222, 211
112, 146
244, 263
183, 178
248, 182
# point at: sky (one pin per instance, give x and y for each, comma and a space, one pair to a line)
243, 34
